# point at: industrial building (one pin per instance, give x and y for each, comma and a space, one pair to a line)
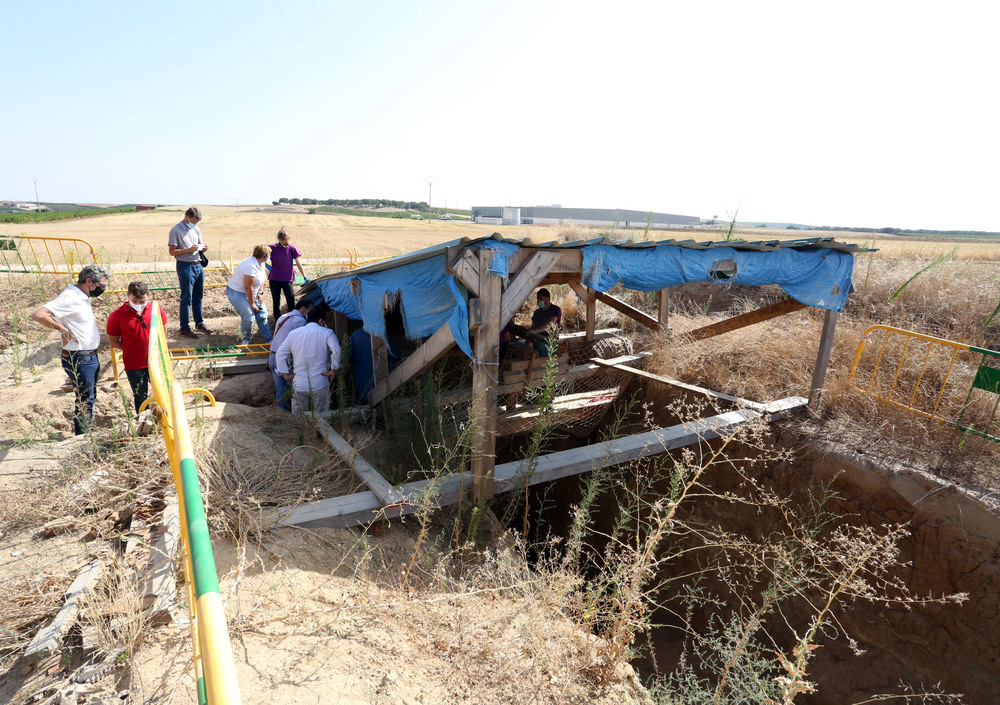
557, 215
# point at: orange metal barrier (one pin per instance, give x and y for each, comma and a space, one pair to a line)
953, 383
30, 254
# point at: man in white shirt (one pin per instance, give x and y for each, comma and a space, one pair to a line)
309, 359
71, 314
293, 320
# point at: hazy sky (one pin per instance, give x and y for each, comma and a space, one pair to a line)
850, 113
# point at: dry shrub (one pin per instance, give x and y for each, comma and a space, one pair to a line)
238, 490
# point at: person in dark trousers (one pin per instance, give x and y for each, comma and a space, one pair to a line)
294, 319
186, 246
362, 363
282, 276
72, 315
544, 318
128, 330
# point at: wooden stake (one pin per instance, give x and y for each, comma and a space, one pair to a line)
822, 358
485, 378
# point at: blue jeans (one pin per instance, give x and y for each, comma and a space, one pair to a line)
191, 277
280, 385
247, 315
83, 369
139, 381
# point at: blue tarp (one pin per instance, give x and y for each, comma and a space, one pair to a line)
815, 277
431, 297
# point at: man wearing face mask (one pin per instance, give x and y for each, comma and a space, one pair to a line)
128, 330
71, 314
544, 318
186, 246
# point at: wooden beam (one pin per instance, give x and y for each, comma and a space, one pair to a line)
566, 260
161, 585
48, 640
553, 278
521, 286
630, 311
418, 361
756, 316
467, 271
363, 507
380, 359
722, 396
484, 387
662, 299
589, 298
378, 485
565, 409
823, 358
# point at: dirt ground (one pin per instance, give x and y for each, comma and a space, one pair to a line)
315, 616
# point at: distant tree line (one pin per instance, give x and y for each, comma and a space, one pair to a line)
35, 217
356, 203
904, 231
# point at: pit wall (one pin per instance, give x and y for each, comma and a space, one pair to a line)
954, 547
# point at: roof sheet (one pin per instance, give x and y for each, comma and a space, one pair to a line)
827, 243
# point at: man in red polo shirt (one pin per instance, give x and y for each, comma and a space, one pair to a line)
128, 330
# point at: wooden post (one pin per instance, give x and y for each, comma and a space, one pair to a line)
662, 300
589, 298
823, 358
380, 359
485, 379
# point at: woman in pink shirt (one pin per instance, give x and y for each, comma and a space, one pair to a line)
282, 274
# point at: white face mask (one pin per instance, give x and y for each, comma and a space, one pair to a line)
139, 308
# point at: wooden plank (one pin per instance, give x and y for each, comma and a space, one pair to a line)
823, 358
587, 458
521, 365
566, 260
739, 401
484, 374
363, 507
475, 315
161, 585
761, 314
49, 639
467, 271
380, 358
567, 408
418, 361
662, 314
630, 311
378, 485
581, 336
527, 278
553, 278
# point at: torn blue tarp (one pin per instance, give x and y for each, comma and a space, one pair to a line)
430, 298
815, 277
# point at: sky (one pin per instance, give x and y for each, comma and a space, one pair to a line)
862, 114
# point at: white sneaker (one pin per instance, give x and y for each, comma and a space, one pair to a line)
246, 341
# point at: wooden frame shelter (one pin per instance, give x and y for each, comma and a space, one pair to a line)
498, 281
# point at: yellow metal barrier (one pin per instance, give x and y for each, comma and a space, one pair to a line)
355, 263
166, 279
214, 668
949, 382
30, 254
194, 390
205, 353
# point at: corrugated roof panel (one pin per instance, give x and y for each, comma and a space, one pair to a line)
757, 246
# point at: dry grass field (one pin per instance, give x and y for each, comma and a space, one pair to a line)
407, 613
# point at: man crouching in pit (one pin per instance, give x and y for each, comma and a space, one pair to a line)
309, 359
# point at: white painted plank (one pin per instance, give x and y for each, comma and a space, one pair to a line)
378, 485
364, 506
